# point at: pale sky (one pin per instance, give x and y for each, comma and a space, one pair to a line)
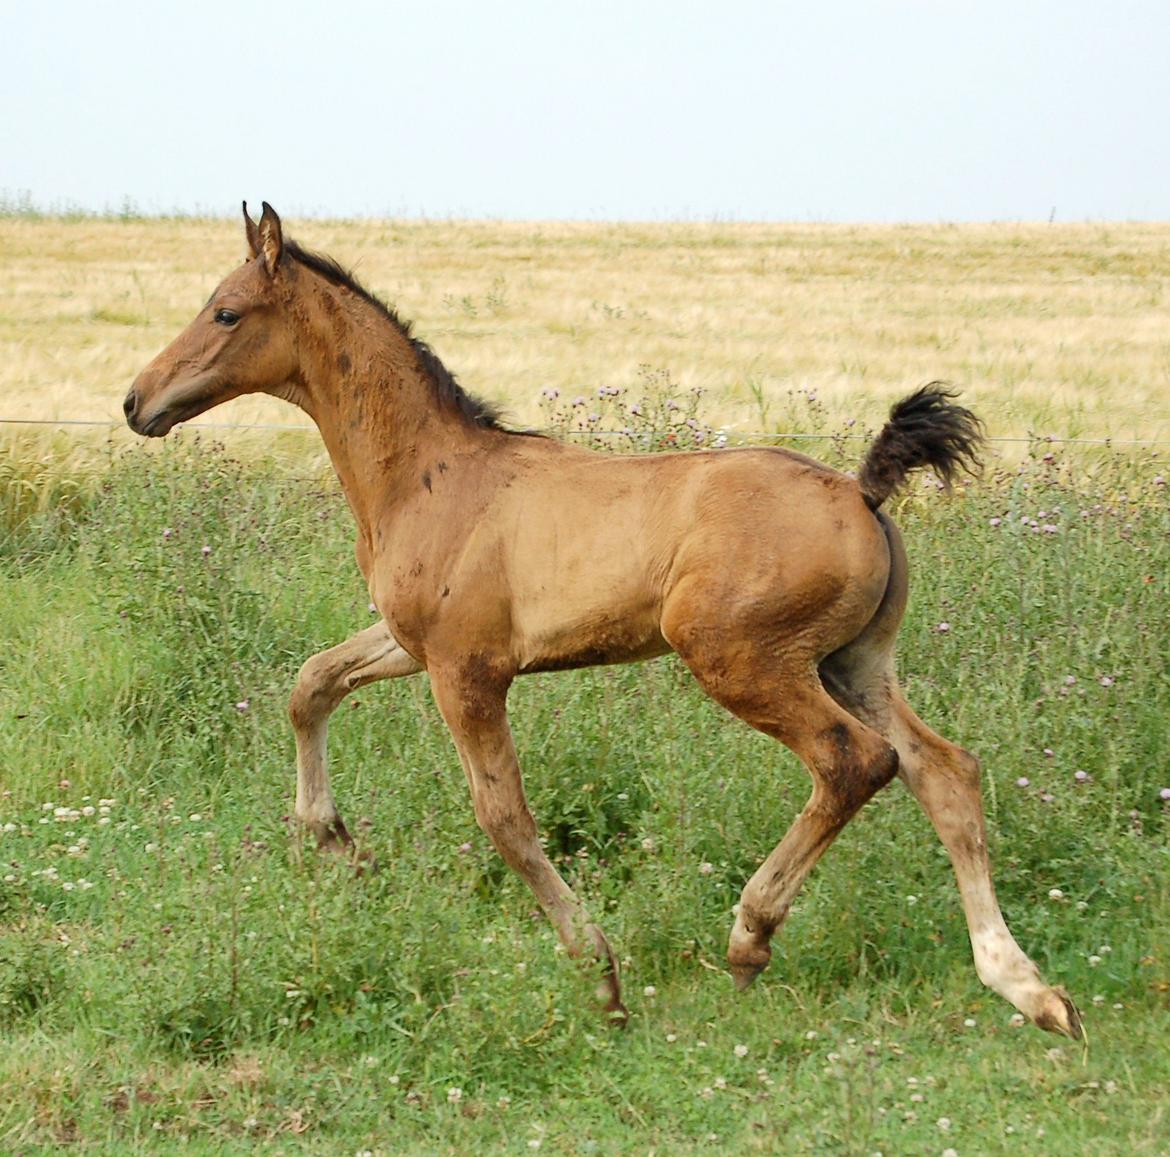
891, 110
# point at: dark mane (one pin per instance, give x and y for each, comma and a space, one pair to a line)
447, 390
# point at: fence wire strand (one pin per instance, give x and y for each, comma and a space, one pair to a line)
746, 435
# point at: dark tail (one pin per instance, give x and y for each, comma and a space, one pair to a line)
925, 429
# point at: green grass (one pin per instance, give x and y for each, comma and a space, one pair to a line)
177, 968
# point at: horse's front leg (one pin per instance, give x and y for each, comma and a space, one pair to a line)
324, 681
473, 703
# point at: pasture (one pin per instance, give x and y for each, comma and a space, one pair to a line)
177, 967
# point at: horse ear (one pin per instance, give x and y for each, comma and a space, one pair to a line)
271, 240
252, 233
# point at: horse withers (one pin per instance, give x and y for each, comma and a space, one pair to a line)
491, 553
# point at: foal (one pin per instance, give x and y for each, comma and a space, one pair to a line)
490, 554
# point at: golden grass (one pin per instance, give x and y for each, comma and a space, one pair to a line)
1051, 329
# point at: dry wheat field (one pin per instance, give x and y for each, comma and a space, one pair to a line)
1052, 330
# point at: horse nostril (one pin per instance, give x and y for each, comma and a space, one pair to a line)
130, 404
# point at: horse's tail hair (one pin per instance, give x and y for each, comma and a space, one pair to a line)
925, 429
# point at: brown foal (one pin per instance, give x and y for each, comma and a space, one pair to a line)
491, 553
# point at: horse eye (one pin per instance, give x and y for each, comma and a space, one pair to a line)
226, 317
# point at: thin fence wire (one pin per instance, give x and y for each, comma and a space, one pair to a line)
747, 435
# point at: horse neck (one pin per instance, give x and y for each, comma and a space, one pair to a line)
378, 412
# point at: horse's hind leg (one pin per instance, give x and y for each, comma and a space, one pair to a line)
848, 763
945, 781
324, 681
779, 692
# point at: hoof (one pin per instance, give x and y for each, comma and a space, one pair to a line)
748, 953
617, 1016
1061, 1016
335, 840
364, 863
744, 975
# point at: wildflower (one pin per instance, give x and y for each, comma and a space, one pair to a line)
504, 1101
969, 1022
195, 818
454, 1096
942, 628
464, 849
705, 868
1165, 793
1094, 960
1016, 1020
911, 899
671, 1037
167, 532
1055, 894
996, 521
741, 1051
1049, 753
1023, 781
205, 550
1082, 777
944, 1123
649, 990
243, 706
1106, 680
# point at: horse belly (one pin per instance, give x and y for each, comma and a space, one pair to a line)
592, 643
